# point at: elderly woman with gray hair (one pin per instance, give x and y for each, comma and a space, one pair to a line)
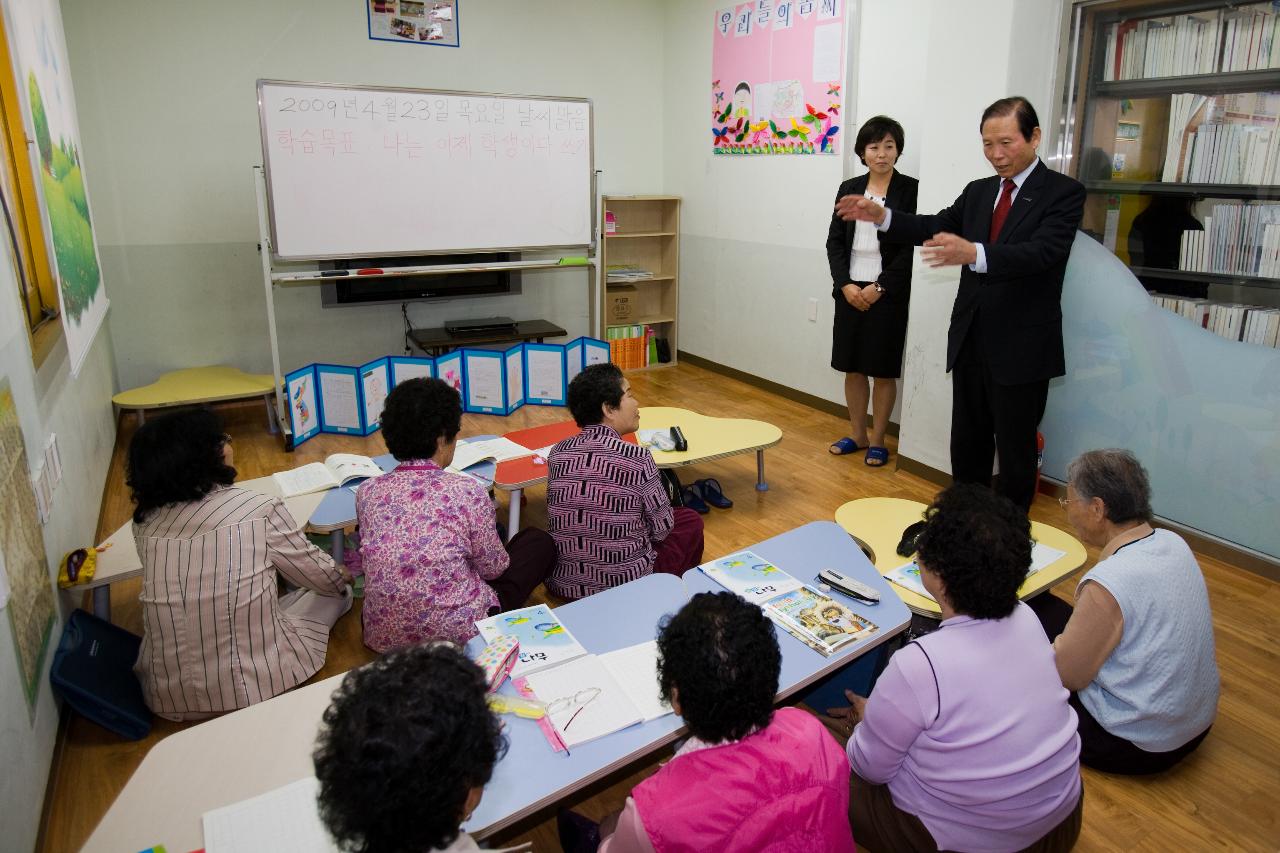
1137, 651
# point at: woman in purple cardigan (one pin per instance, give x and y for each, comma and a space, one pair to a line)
967, 741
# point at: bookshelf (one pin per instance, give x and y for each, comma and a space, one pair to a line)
1177, 114
640, 253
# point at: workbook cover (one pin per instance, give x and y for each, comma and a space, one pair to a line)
818, 620
908, 577
750, 576
544, 640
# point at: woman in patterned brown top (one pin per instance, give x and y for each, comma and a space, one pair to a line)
216, 634
606, 508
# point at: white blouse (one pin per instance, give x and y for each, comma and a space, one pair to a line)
864, 258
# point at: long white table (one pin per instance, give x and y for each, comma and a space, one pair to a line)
258, 749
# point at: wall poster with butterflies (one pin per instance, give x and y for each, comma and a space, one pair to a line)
777, 71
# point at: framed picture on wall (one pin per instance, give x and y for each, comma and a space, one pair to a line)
433, 22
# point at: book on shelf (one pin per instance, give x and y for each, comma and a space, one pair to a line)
629, 345
1250, 324
817, 620
337, 469
544, 640
1225, 139
1166, 46
1239, 238
1194, 309
1248, 39
621, 273
1263, 328
1207, 41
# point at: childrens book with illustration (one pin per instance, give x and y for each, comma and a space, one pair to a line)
336, 470
813, 618
817, 620
544, 640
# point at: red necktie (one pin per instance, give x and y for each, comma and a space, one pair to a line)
1002, 208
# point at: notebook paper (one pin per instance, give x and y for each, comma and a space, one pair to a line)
635, 668
285, 820
584, 701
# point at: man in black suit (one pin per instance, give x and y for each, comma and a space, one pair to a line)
1012, 234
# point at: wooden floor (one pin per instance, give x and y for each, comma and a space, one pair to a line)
1220, 798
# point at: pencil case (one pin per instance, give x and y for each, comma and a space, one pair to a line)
497, 659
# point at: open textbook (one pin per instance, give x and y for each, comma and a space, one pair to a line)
815, 619
336, 470
471, 453
596, 695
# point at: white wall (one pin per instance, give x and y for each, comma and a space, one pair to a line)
752, 230
79, 411
169, 121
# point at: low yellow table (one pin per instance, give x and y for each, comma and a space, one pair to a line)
877, 524
711, 438
196, 385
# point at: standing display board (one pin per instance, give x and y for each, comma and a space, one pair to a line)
355, 171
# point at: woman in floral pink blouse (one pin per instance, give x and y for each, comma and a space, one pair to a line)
433, 562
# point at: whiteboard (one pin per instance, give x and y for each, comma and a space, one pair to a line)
357, 171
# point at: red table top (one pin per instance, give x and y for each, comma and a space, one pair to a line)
527, 470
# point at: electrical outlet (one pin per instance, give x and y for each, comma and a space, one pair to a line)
813, 310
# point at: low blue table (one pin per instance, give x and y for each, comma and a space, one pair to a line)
802, 553
532, 777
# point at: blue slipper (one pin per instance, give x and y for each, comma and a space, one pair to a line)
844, 447
713, 494
877, 457
692, 498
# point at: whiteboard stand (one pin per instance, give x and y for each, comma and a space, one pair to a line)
271, 279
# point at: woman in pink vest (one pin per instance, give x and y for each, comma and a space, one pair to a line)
748, 777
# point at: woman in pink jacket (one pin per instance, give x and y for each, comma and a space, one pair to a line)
748, 777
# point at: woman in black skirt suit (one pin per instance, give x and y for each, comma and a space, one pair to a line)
871, 284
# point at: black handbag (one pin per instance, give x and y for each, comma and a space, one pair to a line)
671, 483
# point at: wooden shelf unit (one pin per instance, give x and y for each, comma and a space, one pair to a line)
648, 237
